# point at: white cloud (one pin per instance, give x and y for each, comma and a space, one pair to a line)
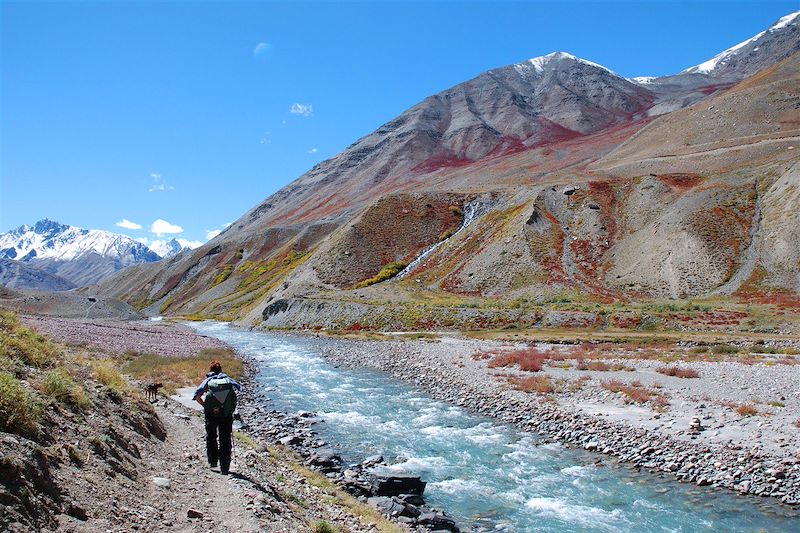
162, 227
127, 224
302, 109
158, 184
312, 150
261, 49
143, 240
212, 233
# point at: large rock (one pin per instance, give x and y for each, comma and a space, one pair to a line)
397, 485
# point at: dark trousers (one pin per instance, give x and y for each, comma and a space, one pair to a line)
221, 427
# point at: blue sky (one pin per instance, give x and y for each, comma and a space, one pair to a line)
191, 113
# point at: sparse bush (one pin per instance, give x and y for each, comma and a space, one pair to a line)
724, 349
324, 527
107, 375
528, 360
386, 272
59, 385
635, 392
538, 384
20, 411
678, 372
224, 274
747, 410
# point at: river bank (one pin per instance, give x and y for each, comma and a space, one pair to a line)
755, 455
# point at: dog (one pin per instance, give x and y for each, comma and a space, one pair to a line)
151, 391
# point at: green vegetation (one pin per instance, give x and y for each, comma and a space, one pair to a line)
324, 527
60, 386
223, 275
24, 345
258, 270
20, 410
106, 373
176, 372
386, 272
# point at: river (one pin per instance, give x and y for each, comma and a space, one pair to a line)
486, 475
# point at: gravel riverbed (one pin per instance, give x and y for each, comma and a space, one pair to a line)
757, 455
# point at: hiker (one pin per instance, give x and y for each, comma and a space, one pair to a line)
219, 406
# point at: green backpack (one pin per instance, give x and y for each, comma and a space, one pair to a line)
220, 401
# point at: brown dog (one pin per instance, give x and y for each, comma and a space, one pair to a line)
151, 391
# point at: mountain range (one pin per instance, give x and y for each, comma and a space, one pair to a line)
53, 256
549, 178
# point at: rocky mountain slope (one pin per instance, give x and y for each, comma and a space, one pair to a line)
578, 182
19, 275
80, 256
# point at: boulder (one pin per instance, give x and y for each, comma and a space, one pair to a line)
397, 485
437, 521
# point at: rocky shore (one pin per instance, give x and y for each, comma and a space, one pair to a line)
398, 497
447, 372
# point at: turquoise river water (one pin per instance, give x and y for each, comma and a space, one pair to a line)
486, 475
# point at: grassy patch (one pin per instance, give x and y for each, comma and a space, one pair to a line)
746, 410
386, 272
106, 374
20, 411
324, 527
176, 372
224, 274
246, 440
20, 343
60, 386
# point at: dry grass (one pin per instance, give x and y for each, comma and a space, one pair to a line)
678, 372
20, 344
746, 410
537, 384
176, 372
20, 410
635, 392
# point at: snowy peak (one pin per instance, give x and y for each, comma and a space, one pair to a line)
50, 240
778, 41
167, 249
556, 60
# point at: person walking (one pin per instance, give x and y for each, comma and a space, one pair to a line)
217, 395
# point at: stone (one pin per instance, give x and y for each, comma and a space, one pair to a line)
194, 513
291, 439
437, 521
161, 482
396, 485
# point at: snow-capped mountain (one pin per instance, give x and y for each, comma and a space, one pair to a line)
171, 248
746, 58
79, 255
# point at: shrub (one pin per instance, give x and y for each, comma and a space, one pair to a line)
746, 410
324, 527
20, 411
386, 272
107, 375
59, 385
528, 360
635, 392
678, 372
724, 348
538, 384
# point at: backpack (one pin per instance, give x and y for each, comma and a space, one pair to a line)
220, 401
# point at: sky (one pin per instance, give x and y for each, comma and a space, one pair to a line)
172, 119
